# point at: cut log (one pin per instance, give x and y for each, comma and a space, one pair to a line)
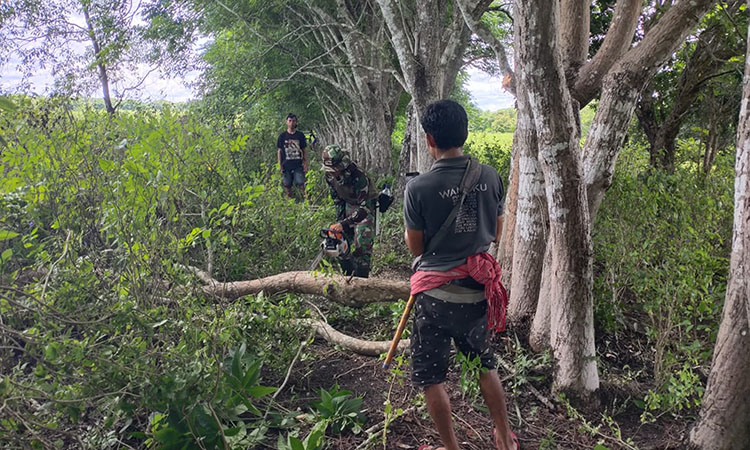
350, 291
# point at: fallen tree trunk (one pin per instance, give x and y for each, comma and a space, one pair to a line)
355, 292
360, 346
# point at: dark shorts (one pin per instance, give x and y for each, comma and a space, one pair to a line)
435, 323
297, 175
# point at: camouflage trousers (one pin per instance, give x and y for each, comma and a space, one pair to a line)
360, 238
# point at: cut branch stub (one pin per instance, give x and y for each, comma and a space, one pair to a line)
355, 292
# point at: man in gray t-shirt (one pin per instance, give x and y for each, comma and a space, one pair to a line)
455, 308
430, 197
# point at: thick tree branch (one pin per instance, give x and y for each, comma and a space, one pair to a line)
485, 34
622, 86
355, 292
360, 346
575, 26
617, 41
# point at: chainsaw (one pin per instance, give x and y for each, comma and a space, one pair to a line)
333, 245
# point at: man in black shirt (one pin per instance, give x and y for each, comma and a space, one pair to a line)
292, 156
457, 289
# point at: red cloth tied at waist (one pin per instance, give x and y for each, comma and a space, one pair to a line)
483, 268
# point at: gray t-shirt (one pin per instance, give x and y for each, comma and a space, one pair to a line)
429, 199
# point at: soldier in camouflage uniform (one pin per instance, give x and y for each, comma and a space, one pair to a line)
354, 196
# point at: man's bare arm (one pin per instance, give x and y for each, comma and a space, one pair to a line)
415, 241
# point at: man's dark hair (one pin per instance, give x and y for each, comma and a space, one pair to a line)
446, 121
291, 116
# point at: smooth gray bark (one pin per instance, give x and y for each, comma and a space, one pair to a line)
725, 414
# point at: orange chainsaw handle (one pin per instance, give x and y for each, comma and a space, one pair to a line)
399, 332
331, 233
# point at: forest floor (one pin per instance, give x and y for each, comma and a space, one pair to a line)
537, 426
540, 420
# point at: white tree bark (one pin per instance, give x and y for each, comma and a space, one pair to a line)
429, 43
621, 88
358, 67
530, 238
504, 253
725, 413
575, 21
571, 314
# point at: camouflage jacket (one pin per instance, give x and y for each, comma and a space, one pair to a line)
355, 189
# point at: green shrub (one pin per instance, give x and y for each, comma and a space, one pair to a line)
491, 148
661, 257
109, 341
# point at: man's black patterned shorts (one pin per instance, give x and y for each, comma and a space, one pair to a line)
435, 323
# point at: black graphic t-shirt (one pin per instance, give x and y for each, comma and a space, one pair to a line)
291, 146
430, 197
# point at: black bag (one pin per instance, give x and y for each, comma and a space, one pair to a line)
385, 199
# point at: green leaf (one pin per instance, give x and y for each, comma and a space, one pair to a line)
105, 164
295, 443
7, 105
260, 391
5, 256
229, 432
5, 235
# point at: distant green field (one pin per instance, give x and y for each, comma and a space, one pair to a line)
491, 148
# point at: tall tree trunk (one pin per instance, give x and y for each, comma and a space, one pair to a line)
100, 64
725, 413
712, 139
575, 184
429, 39
407, 148
504, 254
575, 21
571, 314
531, 236
539, 338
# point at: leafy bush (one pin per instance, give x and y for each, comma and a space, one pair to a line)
493, 149
661, 254
109, 344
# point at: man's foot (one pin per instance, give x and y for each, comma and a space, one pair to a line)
516, 444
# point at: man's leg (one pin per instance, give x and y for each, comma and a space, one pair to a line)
472, 339
286, 182
299, 180
439, 406
364, 236
430, 353
347, 265
494, 396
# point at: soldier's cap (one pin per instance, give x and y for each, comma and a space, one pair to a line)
335, 158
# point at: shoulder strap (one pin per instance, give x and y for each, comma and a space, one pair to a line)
468, 183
